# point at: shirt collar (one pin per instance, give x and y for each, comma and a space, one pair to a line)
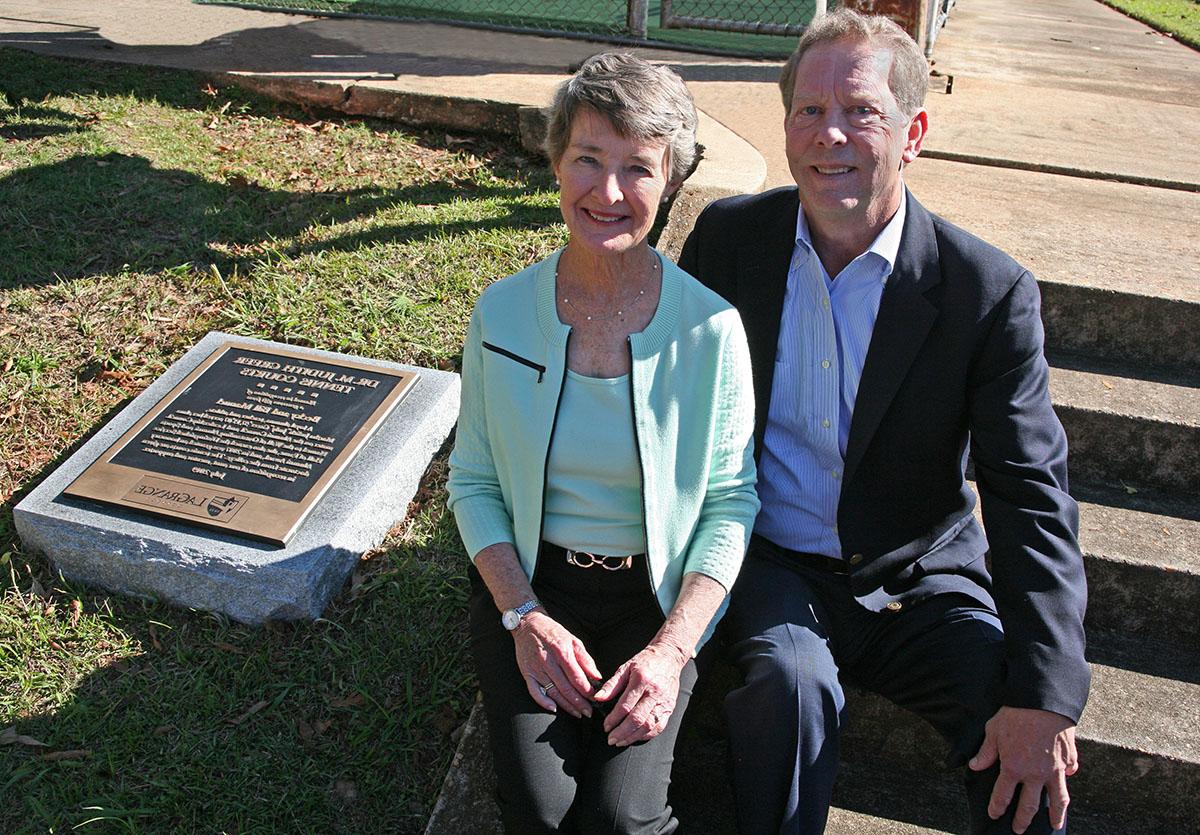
886, 244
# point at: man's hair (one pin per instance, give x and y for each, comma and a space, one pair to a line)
909, 76
641, 101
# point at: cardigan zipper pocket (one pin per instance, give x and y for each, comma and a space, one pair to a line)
540, 369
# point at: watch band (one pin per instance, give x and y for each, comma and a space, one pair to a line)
511, 618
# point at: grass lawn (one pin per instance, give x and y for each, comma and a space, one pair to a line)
1180, 18
138, 210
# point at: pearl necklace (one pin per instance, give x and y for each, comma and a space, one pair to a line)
595, 318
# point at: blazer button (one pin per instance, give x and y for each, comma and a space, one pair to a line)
895, 606
856, 559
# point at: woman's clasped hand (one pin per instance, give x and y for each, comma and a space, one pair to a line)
637, 700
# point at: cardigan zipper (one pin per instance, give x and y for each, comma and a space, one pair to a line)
637, 447
562, 384
540, 369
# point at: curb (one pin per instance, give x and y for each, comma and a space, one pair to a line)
729, 165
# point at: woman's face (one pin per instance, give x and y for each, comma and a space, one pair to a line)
611, 186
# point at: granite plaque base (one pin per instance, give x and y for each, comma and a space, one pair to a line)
129, 552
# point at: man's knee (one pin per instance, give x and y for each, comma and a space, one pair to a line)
787, 671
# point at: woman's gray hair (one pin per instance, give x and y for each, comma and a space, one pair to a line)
641, 100
909, 77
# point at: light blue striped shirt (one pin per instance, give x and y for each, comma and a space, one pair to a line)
824, 334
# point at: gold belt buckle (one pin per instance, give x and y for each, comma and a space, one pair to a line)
582, 559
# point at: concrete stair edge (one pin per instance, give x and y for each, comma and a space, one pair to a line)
1150, 330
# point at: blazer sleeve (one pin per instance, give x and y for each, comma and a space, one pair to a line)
1020, 454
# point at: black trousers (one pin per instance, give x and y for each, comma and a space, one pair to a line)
556, 773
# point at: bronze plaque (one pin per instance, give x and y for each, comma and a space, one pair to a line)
248, 442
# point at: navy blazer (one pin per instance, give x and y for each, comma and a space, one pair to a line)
955, 364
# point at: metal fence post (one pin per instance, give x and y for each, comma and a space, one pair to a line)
638, 10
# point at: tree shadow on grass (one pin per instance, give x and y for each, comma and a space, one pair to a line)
92, 215
203, 725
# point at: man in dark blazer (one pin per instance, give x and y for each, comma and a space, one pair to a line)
887, 345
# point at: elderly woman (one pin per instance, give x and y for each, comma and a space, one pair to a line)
602, 478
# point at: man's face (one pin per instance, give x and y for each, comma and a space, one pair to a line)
846, 138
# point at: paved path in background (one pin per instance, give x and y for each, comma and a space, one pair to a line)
1069, 85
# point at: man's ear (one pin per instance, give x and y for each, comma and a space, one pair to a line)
917, 127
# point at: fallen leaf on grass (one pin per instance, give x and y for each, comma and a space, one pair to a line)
9, 736
55, 756
352, 700
121, 379
76, 612
154, 638
162, 730
345, 790
314, 730
228, 648
253, 709
445, 720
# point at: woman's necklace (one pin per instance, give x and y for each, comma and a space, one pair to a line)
596, 318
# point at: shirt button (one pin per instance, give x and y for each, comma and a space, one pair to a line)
825, 303
895, 606
824, 363
835, 474
825, 423
856, 559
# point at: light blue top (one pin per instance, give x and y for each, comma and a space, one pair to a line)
593, 484
824, 334
693, 418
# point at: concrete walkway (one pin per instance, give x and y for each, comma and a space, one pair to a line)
1068, 87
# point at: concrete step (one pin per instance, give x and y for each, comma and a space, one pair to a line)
1139, 743
1153, 330
1142, 558
1115, 261
1126, 429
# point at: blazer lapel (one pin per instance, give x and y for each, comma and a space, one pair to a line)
905, 317
761, 284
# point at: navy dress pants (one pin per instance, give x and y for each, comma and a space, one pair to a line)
556, 773
796, 632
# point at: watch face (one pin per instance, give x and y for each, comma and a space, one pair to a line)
510, 619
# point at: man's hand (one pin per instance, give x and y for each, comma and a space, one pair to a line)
1036, 750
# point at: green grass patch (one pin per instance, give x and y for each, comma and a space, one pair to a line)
140, 209
1178, 18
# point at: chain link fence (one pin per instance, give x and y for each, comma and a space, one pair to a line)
759, 17
758, 28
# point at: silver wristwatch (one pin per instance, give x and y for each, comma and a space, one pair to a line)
512, 617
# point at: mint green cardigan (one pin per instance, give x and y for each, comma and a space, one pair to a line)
693, 407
